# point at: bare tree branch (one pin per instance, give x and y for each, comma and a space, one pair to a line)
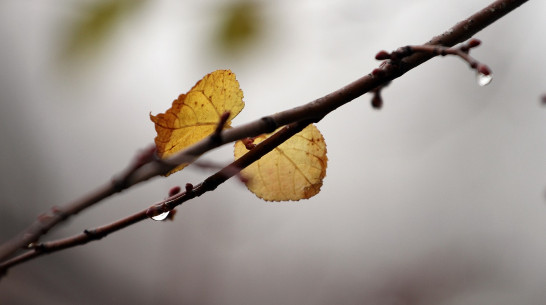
55, 215
317, 109
145, 167
209, 184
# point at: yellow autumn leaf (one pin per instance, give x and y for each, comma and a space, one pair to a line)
292, 171
195, 115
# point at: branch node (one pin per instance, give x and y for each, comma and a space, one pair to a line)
59, 212
216, 137
157, 209
249, 143
174, 190
377, 72
94, 234
38, 247
472, 43
171, 215
483, 69
143, 157
270, 123
395, 59
382, 55
405, 52
44, 219
377, 100
189, 188
119, 183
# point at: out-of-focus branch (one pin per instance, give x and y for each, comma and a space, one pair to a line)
55, 215
311, 112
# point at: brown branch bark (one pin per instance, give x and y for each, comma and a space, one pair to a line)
317, 109
56, 215
209, 184
311, 112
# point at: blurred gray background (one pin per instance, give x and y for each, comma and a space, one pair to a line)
438, 198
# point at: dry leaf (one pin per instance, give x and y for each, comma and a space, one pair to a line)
195, 115
292, 171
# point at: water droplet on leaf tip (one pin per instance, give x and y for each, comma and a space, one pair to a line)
484, 80
161, 216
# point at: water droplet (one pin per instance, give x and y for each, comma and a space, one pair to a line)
484, 80
161, 216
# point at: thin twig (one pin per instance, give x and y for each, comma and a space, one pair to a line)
462, 51
46, 221
220, 126
317, 109
310, 112
394, 58
176, 199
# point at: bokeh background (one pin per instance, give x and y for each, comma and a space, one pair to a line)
438, 198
